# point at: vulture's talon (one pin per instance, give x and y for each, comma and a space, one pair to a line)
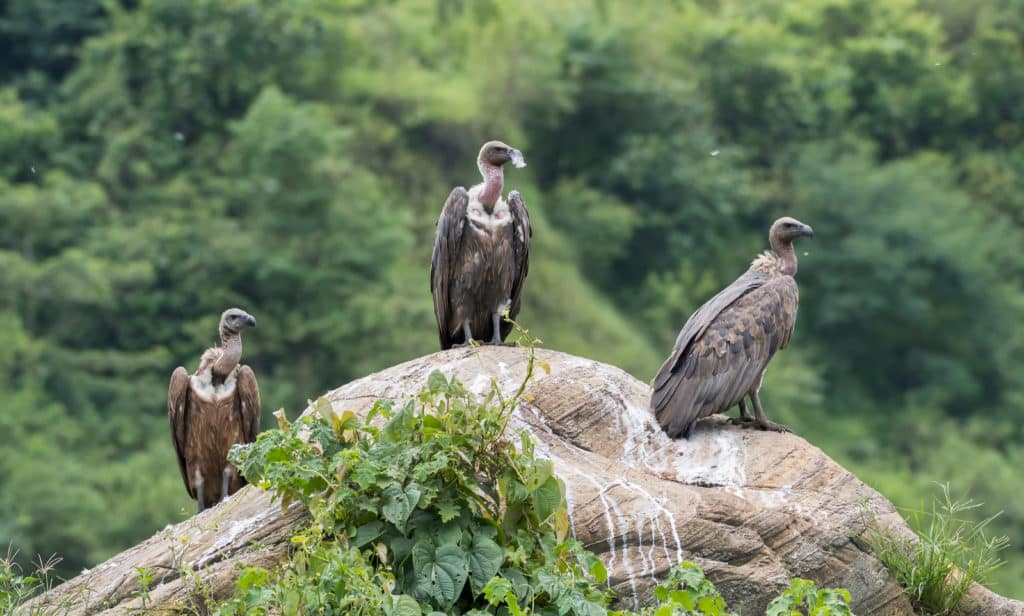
771, 426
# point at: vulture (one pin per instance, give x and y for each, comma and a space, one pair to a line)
212, 410
481, 255
721, 354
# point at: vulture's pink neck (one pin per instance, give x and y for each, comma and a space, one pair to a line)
786, 256
231, 343
494, 179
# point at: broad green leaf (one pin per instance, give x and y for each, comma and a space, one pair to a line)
347, 421
711, 606
251, 577
780, 606
449, 533
496, 590
440, 572
404, 605
513, 489
562, 524
367, 533
397, 503
547, 498
683, 598
448, 510
436, 382
540, 470
323, 408
399, 427
597, 569
485, 559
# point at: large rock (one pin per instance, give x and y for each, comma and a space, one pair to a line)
754, 509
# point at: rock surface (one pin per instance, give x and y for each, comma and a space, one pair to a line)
754, 509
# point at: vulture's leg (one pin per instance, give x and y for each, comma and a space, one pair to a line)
467, 335
745, 417
762, 422
496, 324
225, 481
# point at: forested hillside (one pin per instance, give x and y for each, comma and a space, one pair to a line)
161, 160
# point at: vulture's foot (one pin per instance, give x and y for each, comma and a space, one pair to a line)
459, 345
771, 426
741, 421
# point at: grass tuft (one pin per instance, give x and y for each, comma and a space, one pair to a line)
951, 552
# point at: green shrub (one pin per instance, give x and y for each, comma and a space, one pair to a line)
951, 553
423, 506
803, 597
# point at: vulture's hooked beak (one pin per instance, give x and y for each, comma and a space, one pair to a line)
250, 321
807, 231
517, 158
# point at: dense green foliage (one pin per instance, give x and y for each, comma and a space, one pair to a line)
949, 554
161, 160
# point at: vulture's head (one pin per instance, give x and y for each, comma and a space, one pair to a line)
497, 153
787, 229
234, 320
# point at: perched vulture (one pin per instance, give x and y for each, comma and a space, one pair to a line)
723, 350
481, 255
212, 410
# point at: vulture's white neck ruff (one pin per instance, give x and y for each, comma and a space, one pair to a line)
482, 221
202, 381
203, 387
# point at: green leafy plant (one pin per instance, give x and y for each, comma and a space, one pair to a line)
805, 599
686, 591
145, 581
950, 553
425, 505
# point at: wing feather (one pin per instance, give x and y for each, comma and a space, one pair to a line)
447, 245
249, 402
522, 232
695, 327
177, 412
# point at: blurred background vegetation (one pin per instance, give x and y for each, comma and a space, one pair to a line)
161, 160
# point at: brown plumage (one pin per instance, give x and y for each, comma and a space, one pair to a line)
481, 255
723, 349
211, 410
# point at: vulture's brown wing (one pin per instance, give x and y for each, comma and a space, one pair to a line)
521, 234
701, 319
447, 244
725, 362
248, 403
665, 383
177, 412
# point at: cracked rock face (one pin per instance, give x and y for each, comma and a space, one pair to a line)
754, 509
